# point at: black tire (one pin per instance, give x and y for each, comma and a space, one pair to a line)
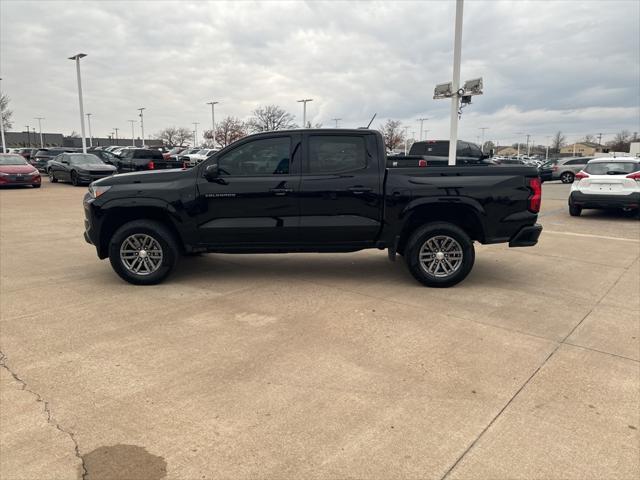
74, 178
567, 177
429, 232
52, 176
36, 185
159, 233
574, 210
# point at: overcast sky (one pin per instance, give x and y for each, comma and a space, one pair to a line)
572, 66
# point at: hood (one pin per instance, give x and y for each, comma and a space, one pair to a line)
96, 166
148, 176
17, 169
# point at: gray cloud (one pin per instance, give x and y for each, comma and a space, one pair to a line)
570, 65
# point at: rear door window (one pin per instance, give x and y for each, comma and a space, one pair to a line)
336, 154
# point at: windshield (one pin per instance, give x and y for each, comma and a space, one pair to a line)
612, 168
12, 160
83, 159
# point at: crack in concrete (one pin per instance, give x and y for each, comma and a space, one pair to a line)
47, 411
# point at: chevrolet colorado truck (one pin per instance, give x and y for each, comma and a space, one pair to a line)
311, 190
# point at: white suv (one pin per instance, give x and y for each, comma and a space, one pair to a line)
607, 183
200, 156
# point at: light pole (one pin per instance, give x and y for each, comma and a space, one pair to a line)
89, 124
304, 110
455, 84
40, 129
482, 144
421, 120
133, 135
336, 120
195, 134
406, 139
213, 121
28, 135
77, 58
142, 123
4, 145
528, 148
547, 155
116, 129
426, 133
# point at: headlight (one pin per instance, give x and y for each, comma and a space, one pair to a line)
2, 174
96, 190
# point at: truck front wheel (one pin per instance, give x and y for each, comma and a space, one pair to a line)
439, 254
143, 252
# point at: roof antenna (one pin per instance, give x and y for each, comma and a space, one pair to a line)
374, 116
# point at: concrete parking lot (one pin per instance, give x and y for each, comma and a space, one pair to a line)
319, 366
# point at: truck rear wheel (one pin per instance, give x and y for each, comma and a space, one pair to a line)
439, 254
143, 252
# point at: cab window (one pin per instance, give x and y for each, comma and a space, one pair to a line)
267, 156
336, 154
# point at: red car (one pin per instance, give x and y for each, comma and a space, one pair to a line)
15, 170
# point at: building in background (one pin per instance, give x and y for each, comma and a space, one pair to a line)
583, 149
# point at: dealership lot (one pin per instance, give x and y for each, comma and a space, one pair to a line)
319, 365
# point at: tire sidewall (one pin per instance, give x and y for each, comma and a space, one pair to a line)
161, 234
420, 236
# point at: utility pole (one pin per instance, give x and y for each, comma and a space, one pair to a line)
77, 58
482, 144
304, 110
600, 139
116, 129
142, 123
28, 135
133, 135
426, 133
421, 120
40, 129
4, 145
336, 120
195, 134
89, 124
213, 121
455, 84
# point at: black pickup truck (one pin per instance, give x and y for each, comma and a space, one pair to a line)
136, 159
311, 191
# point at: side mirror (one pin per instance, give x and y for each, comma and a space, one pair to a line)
211, 172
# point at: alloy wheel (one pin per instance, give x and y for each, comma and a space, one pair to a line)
141, 254
441, 256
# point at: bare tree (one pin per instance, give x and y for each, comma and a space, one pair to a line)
589, 138
620, 142
6, 113
317, 125
392, 133
269, 118
174, 136
228, 131
558, 141
74, 134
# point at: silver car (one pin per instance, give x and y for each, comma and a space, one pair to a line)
565, 169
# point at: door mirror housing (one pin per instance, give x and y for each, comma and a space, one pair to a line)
211, 172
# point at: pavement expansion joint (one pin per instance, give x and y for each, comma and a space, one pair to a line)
47, 411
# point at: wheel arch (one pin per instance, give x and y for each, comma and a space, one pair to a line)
466, 216
116, 216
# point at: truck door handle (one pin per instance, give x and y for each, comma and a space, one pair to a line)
281, 191
357, 190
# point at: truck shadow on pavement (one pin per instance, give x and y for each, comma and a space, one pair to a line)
118, 462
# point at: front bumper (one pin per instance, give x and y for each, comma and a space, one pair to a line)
88, 178
526, 236
586, 200
11, 180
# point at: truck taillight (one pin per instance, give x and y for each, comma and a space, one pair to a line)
422, 163
151, 165
580, 175
635, 176
536, 198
